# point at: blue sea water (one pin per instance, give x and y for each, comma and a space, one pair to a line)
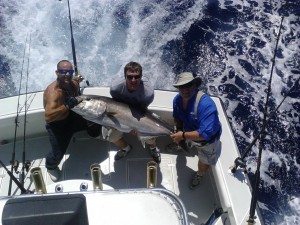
229, 43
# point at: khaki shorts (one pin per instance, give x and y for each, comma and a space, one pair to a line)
209, 153
113, 135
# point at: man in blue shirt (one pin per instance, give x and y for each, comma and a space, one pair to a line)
196, 118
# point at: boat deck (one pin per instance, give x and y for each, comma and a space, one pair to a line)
174, 172
219, 188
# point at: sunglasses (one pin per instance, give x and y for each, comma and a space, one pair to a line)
130, 77
188, 85
66, 71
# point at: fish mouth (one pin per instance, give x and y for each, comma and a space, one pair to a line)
79, 99
84, 97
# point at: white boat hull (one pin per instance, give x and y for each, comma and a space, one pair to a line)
219, 188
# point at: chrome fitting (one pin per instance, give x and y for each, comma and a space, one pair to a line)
96, 176
38, 180
151, 174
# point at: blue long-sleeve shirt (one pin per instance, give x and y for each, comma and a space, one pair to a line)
207, 122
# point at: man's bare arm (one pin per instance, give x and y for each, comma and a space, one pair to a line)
55, 108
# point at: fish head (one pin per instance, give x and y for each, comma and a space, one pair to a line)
90, 107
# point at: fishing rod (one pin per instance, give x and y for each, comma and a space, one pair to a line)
25, 165
79, 77
239, 162
214, 216
13, 163
252, 217
72, 42
12, 177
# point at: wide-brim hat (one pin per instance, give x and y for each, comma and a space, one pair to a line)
185, 78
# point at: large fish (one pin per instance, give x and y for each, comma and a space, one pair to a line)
123, 117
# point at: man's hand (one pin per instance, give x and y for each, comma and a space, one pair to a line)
177, 136
72, 102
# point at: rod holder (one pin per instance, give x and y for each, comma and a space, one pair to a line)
151, 174
96, 177
38, 180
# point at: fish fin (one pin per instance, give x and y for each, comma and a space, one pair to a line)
143, 140
105, 132
143, 143
110, 114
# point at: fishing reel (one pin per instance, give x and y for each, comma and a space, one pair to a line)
78, 78
239, 163
15, 165
27, 165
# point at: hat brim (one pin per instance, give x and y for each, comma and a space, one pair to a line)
196, 80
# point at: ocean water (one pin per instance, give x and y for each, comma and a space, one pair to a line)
229, 43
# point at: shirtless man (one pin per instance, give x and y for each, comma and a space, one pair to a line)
61, 122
